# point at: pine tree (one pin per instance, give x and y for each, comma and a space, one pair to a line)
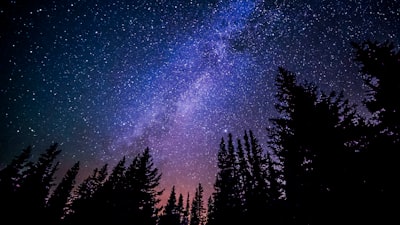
37, 182
226, 192
11, 175
197, 210
380, 67
245, 178
145, 180
286, 141
309, 139
186, 212
274, 185
258, 196
109, 195
58, 200
11, 178
83, 207
210, 211
179, 207
171, 214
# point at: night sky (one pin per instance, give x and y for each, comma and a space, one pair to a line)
106, 79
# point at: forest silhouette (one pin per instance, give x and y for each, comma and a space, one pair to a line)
325, 163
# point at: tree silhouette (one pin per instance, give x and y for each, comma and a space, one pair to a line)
227, 202
313, 136
180, 209
37, 182
128, 195
186, 212
380, 65
11, 178
247, 184
257, 196
197, 210
11, 175
83, 204
380, 68
146, 180
58, 200
171, 215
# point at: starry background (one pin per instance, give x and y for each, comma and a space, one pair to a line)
106, 79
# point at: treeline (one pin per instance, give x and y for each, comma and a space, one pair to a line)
325, 164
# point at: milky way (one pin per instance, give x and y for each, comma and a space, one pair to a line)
106, 79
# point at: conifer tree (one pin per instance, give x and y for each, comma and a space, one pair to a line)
11, 178
11, 175
37, 182
380, 68
210, 211
171, 214
186, 212
309, 137
58, 200
245, 178
108, 198
197, 210
145, 181
83, 203
179, 207
226, 193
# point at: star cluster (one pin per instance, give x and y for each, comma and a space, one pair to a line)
106, 79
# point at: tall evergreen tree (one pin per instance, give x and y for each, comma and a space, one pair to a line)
171, 214
11, 175
210, 211
227, 193
309, 138
380, 68
186, 212
83, 204
37, 182
107, 199
180, 208
11, 178
58, 200
284, 139
245, 177
257, 198
197, 210
145, 181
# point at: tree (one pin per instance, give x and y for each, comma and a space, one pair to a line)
245, 177
11, 178
198, 210
144, 180
37, 181
179, 208
380, 68
109, 196
11, 175
171, 214
186, 212
58, 200
257, 196
83, 206
127, 195
227, 196
312, 137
